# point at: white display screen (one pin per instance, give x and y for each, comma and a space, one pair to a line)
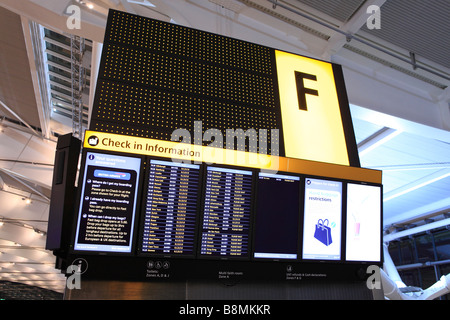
322, 220
363, 223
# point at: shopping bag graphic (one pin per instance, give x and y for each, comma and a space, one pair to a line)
323, 232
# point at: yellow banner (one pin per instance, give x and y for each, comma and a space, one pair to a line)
209, 155
178, 151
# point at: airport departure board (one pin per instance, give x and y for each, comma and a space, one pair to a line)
170, 215
176, 219
158, 218
227, 210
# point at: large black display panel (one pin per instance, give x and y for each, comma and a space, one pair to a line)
107, 211
171, 208
277, 216
156, 77
227, 213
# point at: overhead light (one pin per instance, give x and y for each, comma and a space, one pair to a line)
87, 4
27, 200
39, 232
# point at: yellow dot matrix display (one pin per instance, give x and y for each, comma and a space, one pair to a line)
136, 31
156, 77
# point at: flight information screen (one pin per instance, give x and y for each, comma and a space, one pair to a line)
171, 204
226, 213
277, 216
107, 210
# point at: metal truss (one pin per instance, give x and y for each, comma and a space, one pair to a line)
78, 49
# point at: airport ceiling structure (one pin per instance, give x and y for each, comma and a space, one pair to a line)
396, 65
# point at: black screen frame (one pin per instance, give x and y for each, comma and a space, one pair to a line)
345, 195
188, 266
300, 199
251, 218
144, 191
79, 200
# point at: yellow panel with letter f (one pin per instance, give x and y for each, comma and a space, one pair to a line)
310, 111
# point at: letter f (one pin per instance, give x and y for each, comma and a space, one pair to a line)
302, 91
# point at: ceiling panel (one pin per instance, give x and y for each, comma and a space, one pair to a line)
421, 197
424, 29
408, 149
342, 10
16, 85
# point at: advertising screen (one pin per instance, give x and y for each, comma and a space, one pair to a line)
277, 216
226, 213
171, 207
322, 220
363, 223
108, 202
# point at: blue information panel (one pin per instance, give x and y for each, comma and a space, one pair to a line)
107, 210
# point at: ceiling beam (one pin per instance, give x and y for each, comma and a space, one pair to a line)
26, 185
444, 106
33, 43
127, 6
377, 139
399, 123
420, 229
338, 40
422, 182
413, 167
427, 211
20, 119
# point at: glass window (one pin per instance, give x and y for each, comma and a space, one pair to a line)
425, 249
407, 251
428, 276
420, 249
395, 253
410, 277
